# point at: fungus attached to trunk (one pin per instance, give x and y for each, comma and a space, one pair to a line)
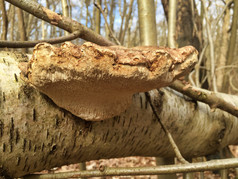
95, 82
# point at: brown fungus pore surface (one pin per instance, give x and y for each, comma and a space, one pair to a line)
95, 82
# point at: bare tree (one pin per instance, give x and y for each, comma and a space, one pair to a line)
147, 9
65, 8
232, 43
12, 22
221, 61
4, 20
112, 13
98, 18
128, 17
21, 27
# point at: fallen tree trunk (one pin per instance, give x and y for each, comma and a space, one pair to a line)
36, 134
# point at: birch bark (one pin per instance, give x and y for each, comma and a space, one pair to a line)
35, 134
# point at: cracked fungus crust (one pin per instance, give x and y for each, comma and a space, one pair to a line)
95, 82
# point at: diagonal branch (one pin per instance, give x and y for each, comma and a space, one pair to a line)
171, 140
24, 44
60, 21
205, 96
108, 26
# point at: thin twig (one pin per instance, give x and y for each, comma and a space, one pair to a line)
204, 79
171, 140
226, 66
132, 171
105, 18
190, 77
231, 84
222, 12
27, 44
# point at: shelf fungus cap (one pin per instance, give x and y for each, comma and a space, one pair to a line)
95, 82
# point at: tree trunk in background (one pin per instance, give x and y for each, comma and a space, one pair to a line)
12, 22
4, 20
21, 27
30, 26
52, 27
148, 33
232, 44
87, 2
98, 18
123, 15
112, 13
36, 33
28, 23
43, 30
43, 25
69, 8
188, 30
107, 31
186, 34
128, 17
221, 61
135, 40
172, 23
129, 35
65, 8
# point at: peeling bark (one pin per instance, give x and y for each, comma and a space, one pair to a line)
36, 134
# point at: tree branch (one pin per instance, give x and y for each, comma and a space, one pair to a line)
24, 44
205, 96
60, 21
167, 169
108, 26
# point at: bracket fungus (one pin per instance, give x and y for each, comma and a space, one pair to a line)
95, 82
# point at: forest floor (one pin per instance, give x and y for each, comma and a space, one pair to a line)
141, 162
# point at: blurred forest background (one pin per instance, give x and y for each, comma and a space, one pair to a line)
210, 26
